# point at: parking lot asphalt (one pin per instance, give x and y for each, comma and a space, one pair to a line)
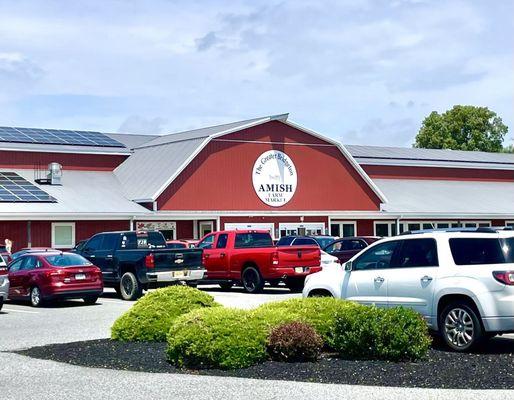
27, 378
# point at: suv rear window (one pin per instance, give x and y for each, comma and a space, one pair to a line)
253, 239
471, 251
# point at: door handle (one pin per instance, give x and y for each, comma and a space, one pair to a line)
92, 256
379, 279
108, 256
206, 255
222, 255
426, 278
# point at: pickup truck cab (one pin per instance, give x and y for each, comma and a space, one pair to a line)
132, 261
249, 257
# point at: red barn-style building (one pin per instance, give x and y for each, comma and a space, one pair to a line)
266, 173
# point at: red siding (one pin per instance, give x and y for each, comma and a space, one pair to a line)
184, 229
88, 162
460, 174
15, 231
365, 228
220, 177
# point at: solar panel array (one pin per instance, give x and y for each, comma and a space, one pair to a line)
15, 189
56, 136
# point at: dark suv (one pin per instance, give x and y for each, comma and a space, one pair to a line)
345, 248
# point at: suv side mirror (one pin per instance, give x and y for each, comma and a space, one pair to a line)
348, 266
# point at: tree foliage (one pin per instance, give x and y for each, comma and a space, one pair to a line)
463, 128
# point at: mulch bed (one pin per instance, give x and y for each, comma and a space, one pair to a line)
491, 367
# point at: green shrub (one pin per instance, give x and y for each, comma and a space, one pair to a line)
151, 316
387, 334
319, 312
224, 338
294, 341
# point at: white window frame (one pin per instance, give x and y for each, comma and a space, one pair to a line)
200, 223
389, 227
60, 224
267, 226
294, 226
341, 223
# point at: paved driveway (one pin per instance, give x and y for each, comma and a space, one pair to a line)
26, 378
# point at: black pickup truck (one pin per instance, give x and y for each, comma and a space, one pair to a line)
133, 261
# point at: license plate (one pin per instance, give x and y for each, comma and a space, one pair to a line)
179, 274
298, 270
80, 277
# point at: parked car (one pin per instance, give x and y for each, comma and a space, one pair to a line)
27, 250
249, 257
345, 248
181, 244
4, 282
461, 282
52, 275
291, 240
133, 261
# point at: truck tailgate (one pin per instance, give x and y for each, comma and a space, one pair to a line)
177, 259
299, 256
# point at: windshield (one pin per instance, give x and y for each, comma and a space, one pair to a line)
471, 251
67, 260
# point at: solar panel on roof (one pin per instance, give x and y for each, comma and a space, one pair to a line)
55, 136
16, 189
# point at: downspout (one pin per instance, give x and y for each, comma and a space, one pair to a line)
398, 224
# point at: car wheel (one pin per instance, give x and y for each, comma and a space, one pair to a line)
252, 280
36, 299
226, 285
192, 284
1, 303
295, 284
130, 288
460, 326
90, 300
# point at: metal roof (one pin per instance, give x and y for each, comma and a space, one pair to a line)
376, 155
131, 140
82, 194
147, 169
442, 197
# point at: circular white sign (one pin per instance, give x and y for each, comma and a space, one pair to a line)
274, 178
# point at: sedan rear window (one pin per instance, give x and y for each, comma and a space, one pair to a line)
472, 251
66, 260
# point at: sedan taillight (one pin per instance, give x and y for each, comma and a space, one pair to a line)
506, 277
3, 271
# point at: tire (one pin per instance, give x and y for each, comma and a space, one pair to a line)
130, 287
36, 298
90, 300
252, 280
295, 284
226, 285
1, 303
460, 326
192, 284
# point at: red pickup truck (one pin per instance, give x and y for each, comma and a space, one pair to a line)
250, 257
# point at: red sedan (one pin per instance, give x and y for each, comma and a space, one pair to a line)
54, 275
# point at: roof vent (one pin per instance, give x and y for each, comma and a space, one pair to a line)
53, 174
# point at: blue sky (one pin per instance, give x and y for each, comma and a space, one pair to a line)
361, 71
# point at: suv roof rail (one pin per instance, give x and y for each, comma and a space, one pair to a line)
481, 229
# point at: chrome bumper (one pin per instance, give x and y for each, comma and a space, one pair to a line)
176, 276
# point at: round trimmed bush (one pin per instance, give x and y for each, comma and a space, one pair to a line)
294, 341
220, 337
396, 334
151, 317
319, 312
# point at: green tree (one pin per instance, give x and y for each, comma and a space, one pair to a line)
462, 128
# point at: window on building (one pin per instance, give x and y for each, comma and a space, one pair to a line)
343, 229
63, 235
510, 223
386, 229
